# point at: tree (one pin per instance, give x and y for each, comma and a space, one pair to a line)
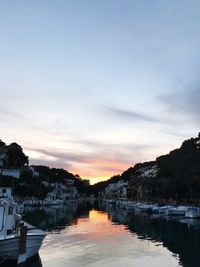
15, 156
2, 144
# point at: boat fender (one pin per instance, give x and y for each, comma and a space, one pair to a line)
22, 245
18, 218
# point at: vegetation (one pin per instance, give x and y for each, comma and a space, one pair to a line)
14, 155
179, 171
178, 175
30, 184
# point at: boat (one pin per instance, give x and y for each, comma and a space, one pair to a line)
41, 203
193, 212
164, 209
178, 211
19, 240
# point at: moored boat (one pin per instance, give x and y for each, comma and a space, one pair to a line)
11, 228
193, 212
178, 211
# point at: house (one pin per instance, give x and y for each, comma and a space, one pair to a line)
150, 171
62, 193
116, 190
6, 171
35, 173
10, 172
5, 192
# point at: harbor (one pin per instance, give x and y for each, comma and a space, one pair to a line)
102, 235
100, 133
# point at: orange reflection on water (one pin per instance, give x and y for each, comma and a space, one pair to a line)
99, 226
98, 215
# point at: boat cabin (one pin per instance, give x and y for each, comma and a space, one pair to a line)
9, 219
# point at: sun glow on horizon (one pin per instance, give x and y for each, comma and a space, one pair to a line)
100, 179
96, 169
101, 170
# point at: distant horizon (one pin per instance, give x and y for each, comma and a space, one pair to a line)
92, 179
100, 179
97, 86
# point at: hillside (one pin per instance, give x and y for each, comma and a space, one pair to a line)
32, 180
172, 176
177, 175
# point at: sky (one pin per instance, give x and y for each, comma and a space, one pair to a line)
95, 87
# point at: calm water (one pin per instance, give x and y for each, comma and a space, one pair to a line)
95, 236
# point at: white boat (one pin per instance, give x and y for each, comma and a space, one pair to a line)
40, 203
193, 212
164, 210
11, 225
179, 211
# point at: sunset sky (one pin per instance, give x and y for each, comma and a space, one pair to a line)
96, 86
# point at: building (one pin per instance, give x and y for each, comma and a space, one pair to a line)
5, 192
11, 173
116, 190
35, 173
62, 193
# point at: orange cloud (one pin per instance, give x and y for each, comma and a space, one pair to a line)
94, 166
100, 170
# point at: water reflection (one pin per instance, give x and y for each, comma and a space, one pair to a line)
100, 239
52, 218
86, 235
180, 236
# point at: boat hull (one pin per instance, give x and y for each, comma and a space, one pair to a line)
9, 246
192, 213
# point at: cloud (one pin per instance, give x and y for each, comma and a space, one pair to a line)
183, 104
98, 160
61, 155
177, 133
7, 115
51, 164
94, 157
134, 116
89, 165
97, 150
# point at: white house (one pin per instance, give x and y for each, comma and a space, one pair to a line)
35, 173
116, 190
62, 193
150, 171
10, 172
5, 192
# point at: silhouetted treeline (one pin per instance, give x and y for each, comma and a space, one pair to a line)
12, 157
178, 175
179, 171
